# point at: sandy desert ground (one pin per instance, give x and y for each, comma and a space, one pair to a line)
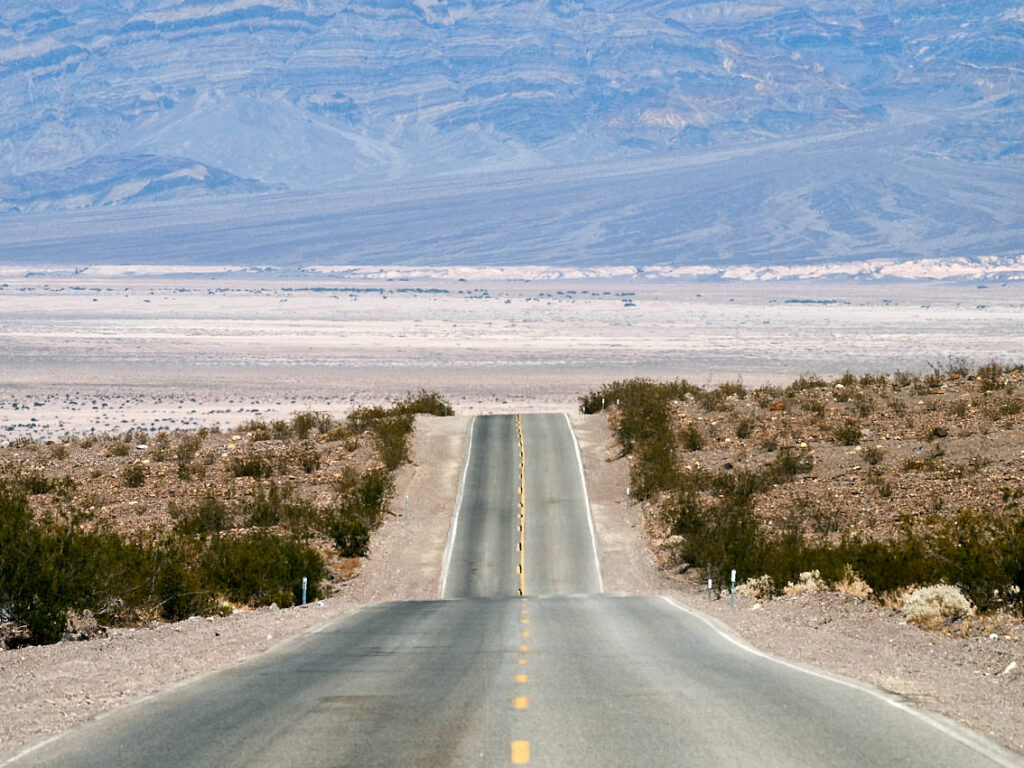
108, 352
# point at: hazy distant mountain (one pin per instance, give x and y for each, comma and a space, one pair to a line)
889, 127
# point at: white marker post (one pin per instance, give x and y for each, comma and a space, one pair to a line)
304, 582
627, 499
709, 589
732, 589
406, 507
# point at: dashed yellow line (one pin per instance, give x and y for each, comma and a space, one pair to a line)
521, 748
520, 752
522, 506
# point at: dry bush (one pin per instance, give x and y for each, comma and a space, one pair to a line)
809, 581
932, 606
852, 585
760, 588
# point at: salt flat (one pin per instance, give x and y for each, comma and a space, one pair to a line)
163, 352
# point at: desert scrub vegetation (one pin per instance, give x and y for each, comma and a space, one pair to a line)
143, 526
885, 482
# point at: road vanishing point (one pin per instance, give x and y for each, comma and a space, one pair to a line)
522, 661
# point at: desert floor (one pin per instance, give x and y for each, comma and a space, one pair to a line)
105, 353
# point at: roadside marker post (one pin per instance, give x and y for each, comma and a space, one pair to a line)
709, 589
732, 590
627, 499
406, 515
304, 582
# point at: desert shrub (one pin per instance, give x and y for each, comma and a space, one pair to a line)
261, 568
309, 460
134, 476
874, 454
810, 405
429, 403
351, 536
865, 404
187, 448
250, 465
808, 581
872, 380
851, 584
757, 587
717, 399
258, 431
59, 452
207, 516
990, 376
847, 433
35, 483
392, 426
744, 428
788, 463
690, 438
932, 605
358, 508
306, 421
118, 448
803, 384
903, 379
277, 505
643, 426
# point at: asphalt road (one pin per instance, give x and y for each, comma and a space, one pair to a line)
509, 541
554, 680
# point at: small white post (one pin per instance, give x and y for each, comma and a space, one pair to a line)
406, 507
627, 499
709, 589
732, 589
304, 582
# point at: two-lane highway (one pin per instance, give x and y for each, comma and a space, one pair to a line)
555, 552
488, 678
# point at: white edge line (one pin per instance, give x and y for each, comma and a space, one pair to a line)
449, 548
972, 740
586, 499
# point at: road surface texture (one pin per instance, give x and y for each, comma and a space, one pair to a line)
561, 676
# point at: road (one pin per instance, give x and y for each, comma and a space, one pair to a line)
562, 676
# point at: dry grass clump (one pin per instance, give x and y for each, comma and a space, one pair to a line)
933, 606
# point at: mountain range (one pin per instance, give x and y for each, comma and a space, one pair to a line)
677, 135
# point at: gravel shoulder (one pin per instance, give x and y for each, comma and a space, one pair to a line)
45, 690
975, 680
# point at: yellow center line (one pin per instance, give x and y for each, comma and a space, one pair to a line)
522, 679
522, 506
520, 752
522, 662
525, 633
520, 702
524, 649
